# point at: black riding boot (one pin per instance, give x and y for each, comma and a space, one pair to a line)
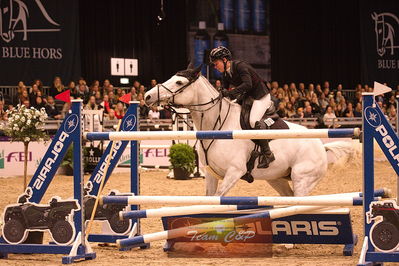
266, 155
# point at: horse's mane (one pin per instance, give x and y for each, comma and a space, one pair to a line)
213, 89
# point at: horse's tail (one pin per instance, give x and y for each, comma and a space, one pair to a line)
339, 152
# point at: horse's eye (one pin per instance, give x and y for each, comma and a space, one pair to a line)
179, 83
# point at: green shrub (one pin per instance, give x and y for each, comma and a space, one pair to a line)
182, 156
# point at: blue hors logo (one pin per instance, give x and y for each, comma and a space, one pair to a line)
129, 123
71, 123
14, 15
372, 116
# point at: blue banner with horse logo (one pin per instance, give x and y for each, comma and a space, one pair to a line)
39, 39
379, 31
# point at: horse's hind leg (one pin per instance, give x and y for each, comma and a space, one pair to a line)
305, 177
282, 186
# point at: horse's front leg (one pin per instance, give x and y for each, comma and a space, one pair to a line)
211, 184
233, 174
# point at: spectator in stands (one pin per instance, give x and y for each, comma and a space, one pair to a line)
218, 85
82, 93
319, 91
38, 103
299, 113
392, 112
119, 110
51, 109
112, 100
329, 117
153, 113
98, 98
105, 104
107, 87
310, 93
57, 87
39, 84
34, 90
348, 112
338, 110
281, 111
110, 120
165, 113
82, 81
314, 102
133, 94
308, 112
72, 87
136, 84
301, 91
358, 110
24, 96
142, 89
391, 101
143, 112
290, 109
119, 93
153, 83
91, 104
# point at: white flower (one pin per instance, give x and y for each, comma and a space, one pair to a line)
17, 117
23, 119
27, 139
28, 122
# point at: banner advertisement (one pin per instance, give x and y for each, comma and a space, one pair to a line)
39, 39
379, 31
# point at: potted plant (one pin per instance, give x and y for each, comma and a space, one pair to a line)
182, 160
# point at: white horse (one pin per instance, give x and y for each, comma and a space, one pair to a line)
304, 161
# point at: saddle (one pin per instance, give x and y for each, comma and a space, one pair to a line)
275, 122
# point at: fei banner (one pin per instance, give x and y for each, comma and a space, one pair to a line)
39, 39
379, 31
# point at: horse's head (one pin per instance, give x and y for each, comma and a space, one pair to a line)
177, 90
379, 32
384, 31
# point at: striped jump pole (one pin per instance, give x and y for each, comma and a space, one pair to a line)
234, 134
255, 201
199, 209
185, 210
210, 226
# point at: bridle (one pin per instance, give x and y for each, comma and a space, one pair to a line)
171, 103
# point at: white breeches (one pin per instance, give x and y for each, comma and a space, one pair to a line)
259, 108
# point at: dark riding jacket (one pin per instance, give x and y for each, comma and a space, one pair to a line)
244, 80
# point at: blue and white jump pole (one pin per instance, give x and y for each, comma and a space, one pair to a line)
233, 134
215, 200
206, 227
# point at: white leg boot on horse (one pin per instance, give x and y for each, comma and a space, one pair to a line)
258, 109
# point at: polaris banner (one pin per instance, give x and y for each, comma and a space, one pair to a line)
379, 31
39, 39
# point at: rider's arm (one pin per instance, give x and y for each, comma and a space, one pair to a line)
246, 81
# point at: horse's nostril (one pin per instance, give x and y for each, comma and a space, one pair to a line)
148, 97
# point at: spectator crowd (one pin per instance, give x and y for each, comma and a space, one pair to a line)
291, 101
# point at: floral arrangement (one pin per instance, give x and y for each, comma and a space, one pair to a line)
26, 124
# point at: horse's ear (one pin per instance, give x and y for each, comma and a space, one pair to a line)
374, 16
190, 65
197, 69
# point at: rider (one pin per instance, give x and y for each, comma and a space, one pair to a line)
243, 81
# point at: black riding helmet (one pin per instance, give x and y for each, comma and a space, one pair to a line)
219, 53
